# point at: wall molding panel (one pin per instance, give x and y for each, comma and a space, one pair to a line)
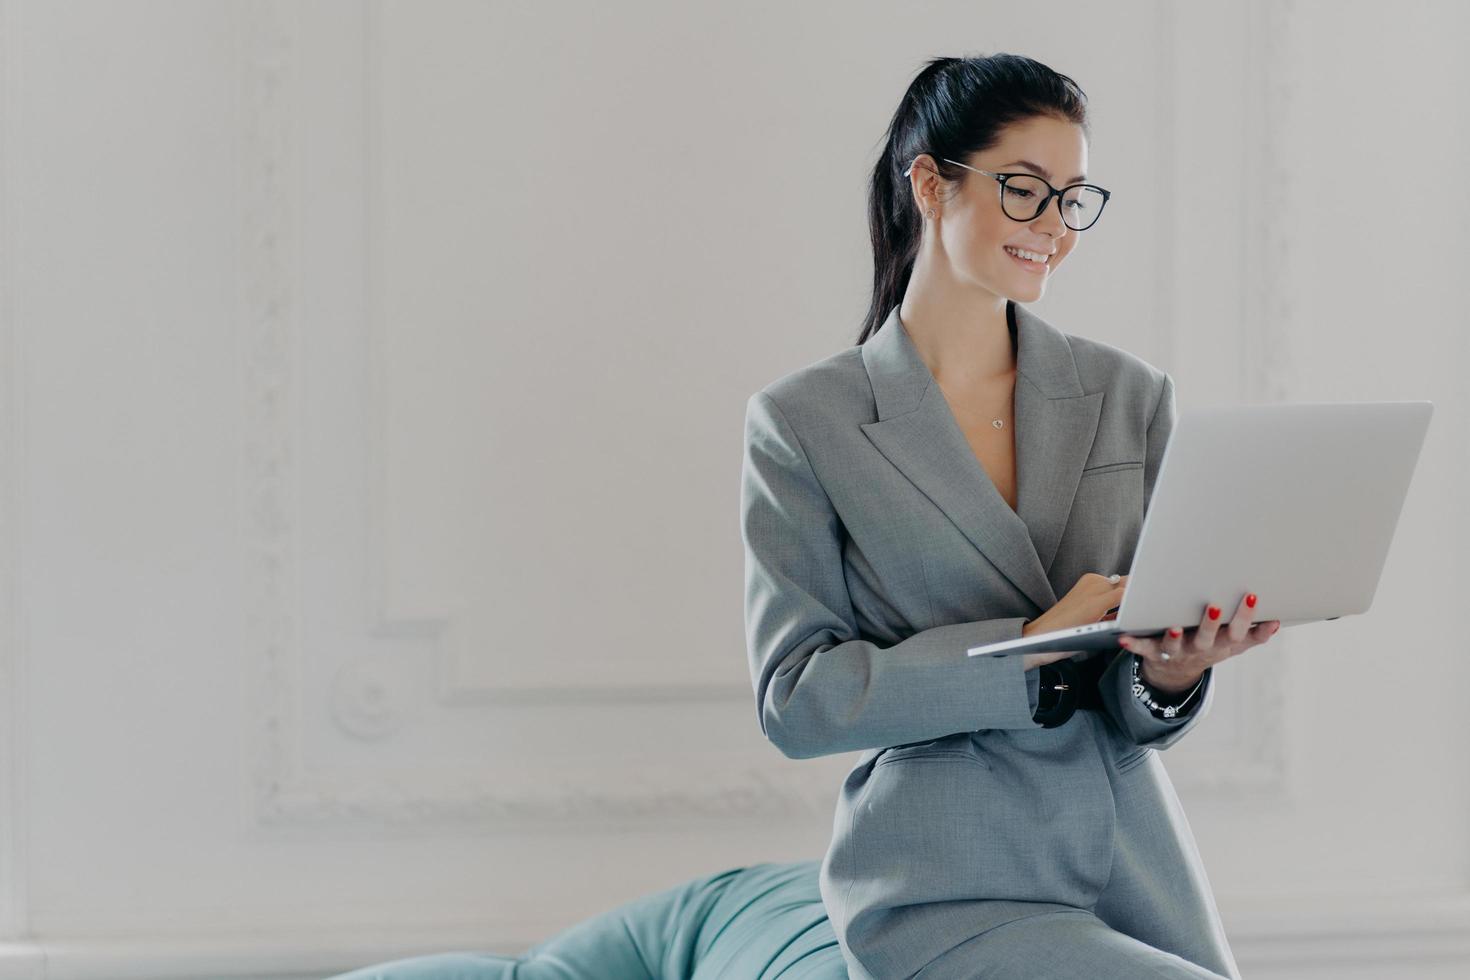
367, 698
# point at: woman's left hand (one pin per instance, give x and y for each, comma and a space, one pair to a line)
1174, 662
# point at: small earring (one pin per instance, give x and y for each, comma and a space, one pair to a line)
929, 214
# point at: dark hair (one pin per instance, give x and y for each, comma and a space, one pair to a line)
954, 107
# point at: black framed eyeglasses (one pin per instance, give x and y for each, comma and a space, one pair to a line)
1023, 197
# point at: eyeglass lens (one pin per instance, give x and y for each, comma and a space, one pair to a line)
1022, 198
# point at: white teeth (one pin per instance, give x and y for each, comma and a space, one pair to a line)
1033, 256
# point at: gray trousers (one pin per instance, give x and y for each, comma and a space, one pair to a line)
1153, 916
1061, 945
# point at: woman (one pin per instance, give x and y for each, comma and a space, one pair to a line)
935, 488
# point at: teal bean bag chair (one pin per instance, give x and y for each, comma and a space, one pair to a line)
763, 922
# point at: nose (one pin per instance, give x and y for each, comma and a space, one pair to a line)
1050, 220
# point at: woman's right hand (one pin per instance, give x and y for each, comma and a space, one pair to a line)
1089, 601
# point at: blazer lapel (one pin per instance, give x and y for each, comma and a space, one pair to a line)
1055, 424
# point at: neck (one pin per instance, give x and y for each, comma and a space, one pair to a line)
961, 343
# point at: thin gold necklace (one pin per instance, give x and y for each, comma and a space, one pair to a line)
998, 423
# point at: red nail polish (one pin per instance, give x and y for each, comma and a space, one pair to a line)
1250, 600
1214, 612
1175, 632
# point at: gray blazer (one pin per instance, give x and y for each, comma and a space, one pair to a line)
877, 550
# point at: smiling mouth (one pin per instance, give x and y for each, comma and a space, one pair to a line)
1029, 265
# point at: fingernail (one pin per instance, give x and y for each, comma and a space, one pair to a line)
1250, 600
1125, 642
1214, 612
1175, 631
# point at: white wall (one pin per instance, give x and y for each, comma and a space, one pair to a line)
372, 378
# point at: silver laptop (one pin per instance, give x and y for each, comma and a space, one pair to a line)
1296, 503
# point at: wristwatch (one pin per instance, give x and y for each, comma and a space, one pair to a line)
1057, 693
1155, 702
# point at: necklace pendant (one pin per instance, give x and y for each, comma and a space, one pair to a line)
997, 423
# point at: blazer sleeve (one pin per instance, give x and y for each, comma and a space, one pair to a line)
1116, 682
821, 688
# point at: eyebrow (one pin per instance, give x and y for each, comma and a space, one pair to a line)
1036, 168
